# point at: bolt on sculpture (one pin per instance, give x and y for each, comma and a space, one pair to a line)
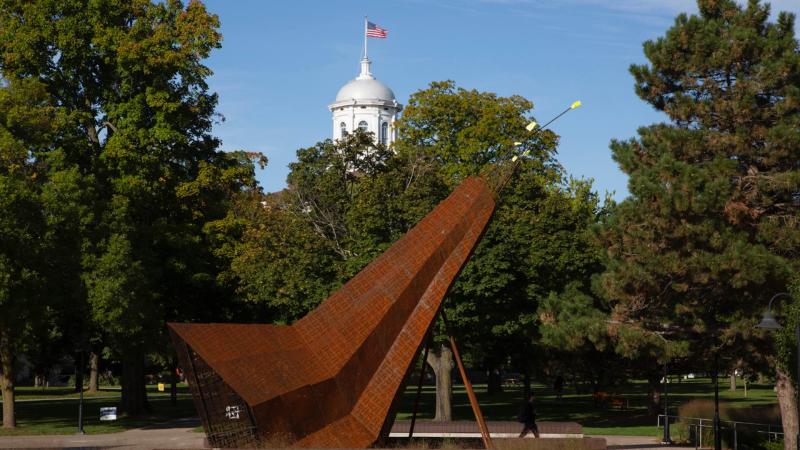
332, 378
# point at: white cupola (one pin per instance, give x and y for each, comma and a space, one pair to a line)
368, 104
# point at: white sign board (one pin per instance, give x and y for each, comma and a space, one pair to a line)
232, 412
108, 413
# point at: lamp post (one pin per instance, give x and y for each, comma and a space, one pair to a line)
717, 431
79, 378
666, 440
768, 322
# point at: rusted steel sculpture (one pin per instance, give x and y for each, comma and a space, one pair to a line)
332, 378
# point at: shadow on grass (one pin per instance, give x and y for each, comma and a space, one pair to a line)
185, 422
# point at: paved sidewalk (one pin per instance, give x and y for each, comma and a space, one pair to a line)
181, 434
637, 442
174, 434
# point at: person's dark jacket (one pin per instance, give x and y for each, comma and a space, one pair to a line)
529, 415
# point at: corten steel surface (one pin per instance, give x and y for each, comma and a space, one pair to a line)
331, 379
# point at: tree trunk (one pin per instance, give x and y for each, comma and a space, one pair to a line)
786, 401
442, 365
94, 360
733, 381
134, 393
7, 379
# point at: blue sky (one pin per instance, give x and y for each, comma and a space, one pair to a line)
282, 62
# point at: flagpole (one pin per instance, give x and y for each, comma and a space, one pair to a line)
365, 37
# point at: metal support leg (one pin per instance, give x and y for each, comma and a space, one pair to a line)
487, 440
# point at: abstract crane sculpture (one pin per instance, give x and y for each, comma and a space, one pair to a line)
332, 379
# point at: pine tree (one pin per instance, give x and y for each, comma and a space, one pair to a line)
711, 227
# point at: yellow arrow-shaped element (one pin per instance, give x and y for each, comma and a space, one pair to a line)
575, 105
531, 126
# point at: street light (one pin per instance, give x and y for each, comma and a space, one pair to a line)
717, 429
79, 379
666, 440
768, 322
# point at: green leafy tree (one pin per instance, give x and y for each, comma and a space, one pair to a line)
537, 244
36, 193
452, 133
20, 274
304, 242
537, 241
128, 83
331, 187
281, 263
710, 230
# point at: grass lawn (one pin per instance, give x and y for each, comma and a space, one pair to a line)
51, 393
55, 410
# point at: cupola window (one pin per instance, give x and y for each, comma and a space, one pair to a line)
384, 132
363, 125
343, 127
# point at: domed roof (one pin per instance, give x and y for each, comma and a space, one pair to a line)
364, 87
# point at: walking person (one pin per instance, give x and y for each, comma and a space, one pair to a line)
527, 416
558, 386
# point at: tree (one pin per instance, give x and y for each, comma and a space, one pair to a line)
36, 194
281, 264
537, 241
710, 229
300, 244
128, 83
22, 227
537, 244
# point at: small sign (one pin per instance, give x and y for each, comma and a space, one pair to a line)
160, 387
232, 412
108, 413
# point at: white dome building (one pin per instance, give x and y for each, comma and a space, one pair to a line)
368, 104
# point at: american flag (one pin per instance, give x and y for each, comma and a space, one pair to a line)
376, 31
